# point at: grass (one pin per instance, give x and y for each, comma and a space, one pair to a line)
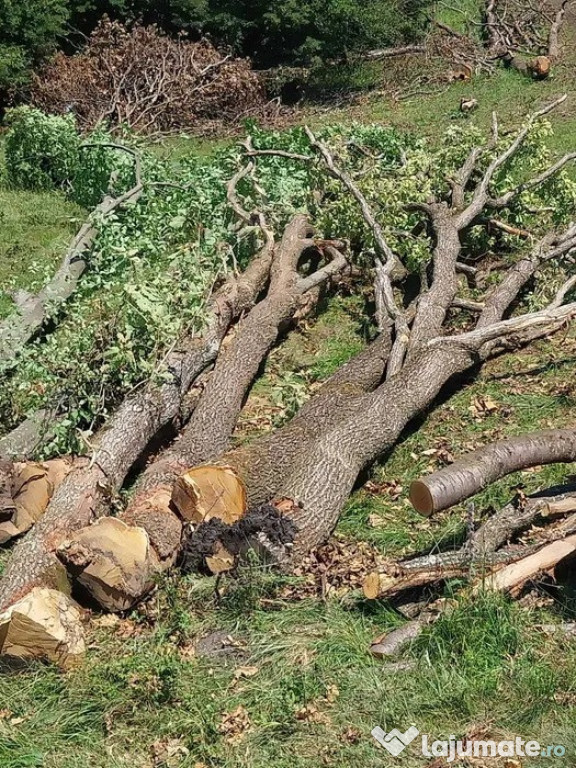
301, 688
34, 232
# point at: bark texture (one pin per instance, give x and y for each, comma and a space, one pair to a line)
477, 470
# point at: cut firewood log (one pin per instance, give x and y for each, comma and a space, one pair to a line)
477, 470
209, 491
44, 624
32, 485
113, 561
513, 577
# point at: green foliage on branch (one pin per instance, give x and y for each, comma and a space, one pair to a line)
155, 263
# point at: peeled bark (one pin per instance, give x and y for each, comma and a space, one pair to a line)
513, 577
477, 470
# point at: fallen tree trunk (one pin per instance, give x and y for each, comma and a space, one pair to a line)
22, 324
85, 494
208, 432
477, 470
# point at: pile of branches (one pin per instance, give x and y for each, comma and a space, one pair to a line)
520, 549
205, 503
147, 81
525, 36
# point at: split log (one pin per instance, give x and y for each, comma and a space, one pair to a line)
32, 486
513, 577
477, 470
45, 624
22, 324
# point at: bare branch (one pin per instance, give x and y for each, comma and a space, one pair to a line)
504, 200
482, 191
385, 268
335, 266
546, 318
548, 248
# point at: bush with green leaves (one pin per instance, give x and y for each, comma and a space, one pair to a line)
155, 263
45, 152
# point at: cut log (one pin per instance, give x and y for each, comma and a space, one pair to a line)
112, 561
513, 577
31, 488
210, 491
477, 470
45, 624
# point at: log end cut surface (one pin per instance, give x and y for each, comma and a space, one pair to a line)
45, 624
210, 491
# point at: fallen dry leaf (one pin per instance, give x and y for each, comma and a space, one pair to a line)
332, 694
351, 736
311, 714
235, 724
248, 671
168, 752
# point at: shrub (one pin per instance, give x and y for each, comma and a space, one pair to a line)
41, 150
47, 152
